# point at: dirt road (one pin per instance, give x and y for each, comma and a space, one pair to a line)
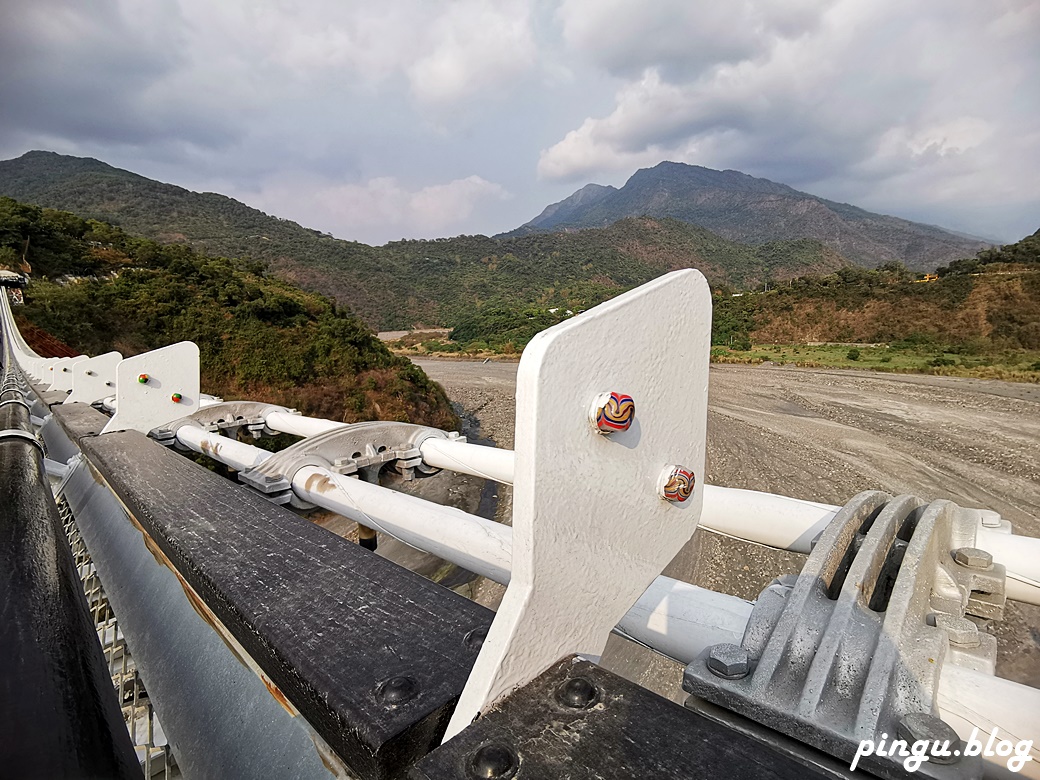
826, 435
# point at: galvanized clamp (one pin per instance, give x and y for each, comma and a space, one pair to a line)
853, 647
363, 447
16, 433
225, 416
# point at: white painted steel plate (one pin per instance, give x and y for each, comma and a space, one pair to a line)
590, 530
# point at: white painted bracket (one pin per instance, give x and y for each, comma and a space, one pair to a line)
37, 368
590, 528
61, 372
168, 372
94, 378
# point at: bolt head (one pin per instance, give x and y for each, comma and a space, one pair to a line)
142, 378
493, 762
921, 727
612, 412
397, 690
973, 558
474, 639
577, 693
176, 398
729, 661
676, 484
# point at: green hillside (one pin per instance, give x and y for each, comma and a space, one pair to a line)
97, 288
405, 283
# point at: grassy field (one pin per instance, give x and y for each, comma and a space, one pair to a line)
1010, 365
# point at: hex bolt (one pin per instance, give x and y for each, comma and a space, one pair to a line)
973, 558
90, 373
729, 661
397, 690
493, 762
612, 412
921, 727
961, 631
676, 484
577, 693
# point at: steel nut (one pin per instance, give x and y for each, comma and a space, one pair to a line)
973, 557
731, 662
921, 727
960, 630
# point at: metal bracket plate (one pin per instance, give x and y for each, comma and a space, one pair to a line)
144, 405
590, 528
61, 372
94, 378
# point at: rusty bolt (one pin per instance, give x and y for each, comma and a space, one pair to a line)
921, 727
973, 558
960, 630
728, 661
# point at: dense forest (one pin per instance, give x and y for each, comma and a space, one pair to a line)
97, 288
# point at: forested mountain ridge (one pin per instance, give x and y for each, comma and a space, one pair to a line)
753, 211
405, 283
96, 288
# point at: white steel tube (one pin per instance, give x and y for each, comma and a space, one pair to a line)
231, 452
480, 461
670, 616
681, 620
298, 425
480, 545
765, 518
1020, 555
970, 700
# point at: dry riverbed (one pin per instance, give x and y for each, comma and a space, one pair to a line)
823, 435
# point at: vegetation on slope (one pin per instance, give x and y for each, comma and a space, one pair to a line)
409, 283
97, 288
981, 316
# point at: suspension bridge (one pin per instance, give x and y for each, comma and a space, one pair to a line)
161, 619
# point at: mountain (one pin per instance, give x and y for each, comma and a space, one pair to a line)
753, 211
568, 208
406, 283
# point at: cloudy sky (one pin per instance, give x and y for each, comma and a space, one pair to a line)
423, 118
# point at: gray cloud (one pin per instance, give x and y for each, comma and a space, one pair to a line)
412, 118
